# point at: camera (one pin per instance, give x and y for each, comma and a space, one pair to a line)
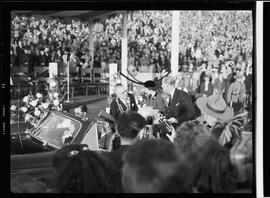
149, 120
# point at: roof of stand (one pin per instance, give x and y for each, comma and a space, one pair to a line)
80, 14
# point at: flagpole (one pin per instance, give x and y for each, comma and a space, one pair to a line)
68, 80
68, 60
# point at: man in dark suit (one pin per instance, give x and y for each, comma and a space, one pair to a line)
123, 102
180, 106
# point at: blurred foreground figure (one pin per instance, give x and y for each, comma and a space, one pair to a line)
80, 170
153, 166
211, 164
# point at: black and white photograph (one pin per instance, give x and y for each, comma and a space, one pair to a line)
133, 100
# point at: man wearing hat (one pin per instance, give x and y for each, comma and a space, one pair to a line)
236, 93
153, 98
214, 110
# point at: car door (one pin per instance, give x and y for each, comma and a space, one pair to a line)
36, 165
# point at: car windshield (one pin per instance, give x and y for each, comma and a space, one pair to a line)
55, 128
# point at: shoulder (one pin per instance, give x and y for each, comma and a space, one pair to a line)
179, 92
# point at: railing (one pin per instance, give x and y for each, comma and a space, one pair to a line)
19, 90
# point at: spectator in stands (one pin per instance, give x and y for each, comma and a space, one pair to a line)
237, 93
219, 84
58, 58
206, 88
87, 57
41, 58
25, 57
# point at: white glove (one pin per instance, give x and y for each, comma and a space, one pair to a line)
173, 120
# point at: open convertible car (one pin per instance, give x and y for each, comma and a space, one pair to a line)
32, 149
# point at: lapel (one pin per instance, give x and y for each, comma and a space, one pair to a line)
123, 105
173, 100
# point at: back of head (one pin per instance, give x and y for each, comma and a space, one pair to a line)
84, 108
186, 134
130, 124
82, 171
152, 166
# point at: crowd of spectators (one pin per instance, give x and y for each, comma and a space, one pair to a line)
149, 40
215, 36
37, 40
205, 36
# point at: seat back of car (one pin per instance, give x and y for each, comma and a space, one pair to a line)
91, 138
36, 165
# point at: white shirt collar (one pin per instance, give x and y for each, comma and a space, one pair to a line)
172, 93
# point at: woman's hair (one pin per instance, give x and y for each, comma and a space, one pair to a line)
130, 124
154, 160
186, 133
80, 170
214, 172
211, 165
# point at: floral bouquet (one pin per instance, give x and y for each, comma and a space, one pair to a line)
147, 111
36, 106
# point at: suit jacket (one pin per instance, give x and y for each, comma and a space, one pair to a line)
156, 102
181, 106
114, 108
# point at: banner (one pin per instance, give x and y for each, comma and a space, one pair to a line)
53, 69
113, 73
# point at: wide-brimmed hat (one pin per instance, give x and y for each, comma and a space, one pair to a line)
215, 106
150, 84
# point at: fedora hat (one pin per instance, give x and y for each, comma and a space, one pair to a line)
215, 106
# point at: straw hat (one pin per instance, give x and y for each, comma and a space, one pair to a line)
215, 106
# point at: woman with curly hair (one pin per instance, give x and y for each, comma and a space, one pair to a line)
212, 168
80, 170
154, 166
